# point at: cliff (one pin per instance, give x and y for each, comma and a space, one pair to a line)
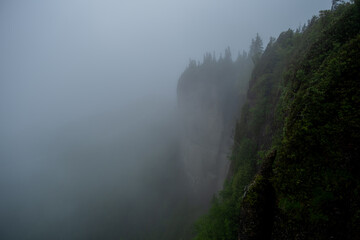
209, 96
294, 170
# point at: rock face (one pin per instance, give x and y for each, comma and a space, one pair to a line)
204, 138
208, 102
258, 204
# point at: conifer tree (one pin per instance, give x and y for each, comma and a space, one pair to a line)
256, 48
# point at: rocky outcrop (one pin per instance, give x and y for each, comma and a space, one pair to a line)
258, 205
205, 138
208, 101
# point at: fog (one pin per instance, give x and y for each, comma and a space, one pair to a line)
88, 111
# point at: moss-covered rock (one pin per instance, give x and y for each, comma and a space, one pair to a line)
258, 205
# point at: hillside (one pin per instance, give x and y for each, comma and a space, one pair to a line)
294, 170
209, 96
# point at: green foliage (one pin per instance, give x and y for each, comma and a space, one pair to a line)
222, 220
303, 101
317, 156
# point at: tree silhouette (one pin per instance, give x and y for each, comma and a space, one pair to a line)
256, 48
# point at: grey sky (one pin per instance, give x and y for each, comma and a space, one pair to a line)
61, 60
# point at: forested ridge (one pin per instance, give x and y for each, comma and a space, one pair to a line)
108, 132
294, 170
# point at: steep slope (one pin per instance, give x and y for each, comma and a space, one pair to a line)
208, 101
297, 139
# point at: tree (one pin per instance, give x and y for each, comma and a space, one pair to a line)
336, 3
228, 54
256, 48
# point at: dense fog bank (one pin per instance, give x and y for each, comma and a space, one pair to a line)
92, 144
91, 177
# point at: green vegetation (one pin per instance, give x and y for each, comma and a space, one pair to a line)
304, 104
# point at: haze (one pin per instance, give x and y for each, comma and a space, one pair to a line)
88, 105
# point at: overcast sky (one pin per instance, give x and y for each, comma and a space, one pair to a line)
63, 60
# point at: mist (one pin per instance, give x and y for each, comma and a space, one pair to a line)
89, 127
